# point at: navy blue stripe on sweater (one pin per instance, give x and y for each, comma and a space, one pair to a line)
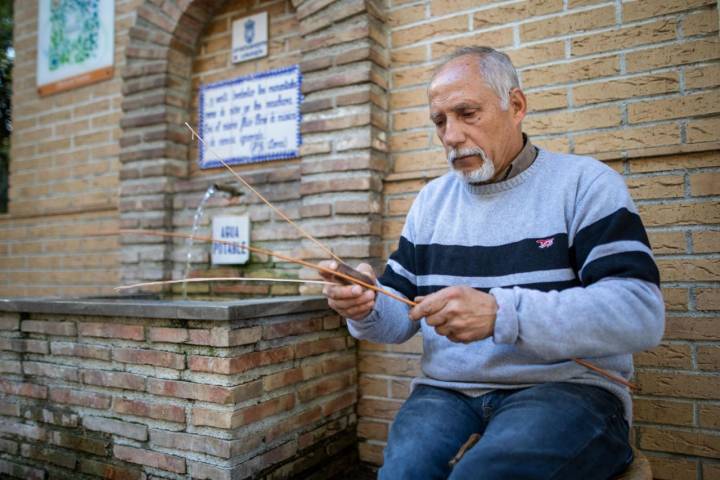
621, 225
528, 255
625, 245
626, 265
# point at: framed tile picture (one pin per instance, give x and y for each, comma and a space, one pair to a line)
75, 43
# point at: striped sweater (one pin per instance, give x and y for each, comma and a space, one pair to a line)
563, 251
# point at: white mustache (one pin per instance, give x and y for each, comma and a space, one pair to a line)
456, 154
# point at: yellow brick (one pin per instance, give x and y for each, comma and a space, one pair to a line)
570, 72
700, 270
705, 130
638, 9
706, 242
408, 56
494, 38
547, 99
675, 162
443, 7
92, 108
216, 44
664, 411
406, 162
406, 15
663, 186
668, 242
701, 22
706, 183
408, 98
412, 76
583, 3
626, 88
31, 136
627, 138
53, 146
680, 213
414, 119
676, 107
702, 77
623, 38
409, 141
55, 117
673, 55
427, 31
539, 53
489, 17
675, 298
404, 186
399, 206
392, 228
564, 121
90, 138
568, 23
708, 298
554, 144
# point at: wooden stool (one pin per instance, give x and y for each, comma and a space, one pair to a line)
639, 469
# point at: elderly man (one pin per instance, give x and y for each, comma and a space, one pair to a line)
521, 260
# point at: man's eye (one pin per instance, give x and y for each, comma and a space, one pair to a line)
439, 122
468, 113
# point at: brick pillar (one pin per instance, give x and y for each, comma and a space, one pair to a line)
344, 155
154, 144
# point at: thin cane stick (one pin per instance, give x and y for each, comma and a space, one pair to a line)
605, 373
259, 195
264, 251
350, 279
223, 279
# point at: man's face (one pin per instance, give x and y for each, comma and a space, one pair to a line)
480, 138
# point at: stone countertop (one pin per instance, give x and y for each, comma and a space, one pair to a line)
157, 308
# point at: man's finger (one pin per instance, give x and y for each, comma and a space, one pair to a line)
331, 265
428, 306
340, 292
352, 302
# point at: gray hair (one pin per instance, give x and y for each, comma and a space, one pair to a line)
497, 70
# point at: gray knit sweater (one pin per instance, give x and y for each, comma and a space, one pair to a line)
563, 251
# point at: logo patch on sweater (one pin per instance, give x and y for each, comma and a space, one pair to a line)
545, 242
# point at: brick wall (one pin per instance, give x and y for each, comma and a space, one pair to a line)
127, 396
63, 175
634, 84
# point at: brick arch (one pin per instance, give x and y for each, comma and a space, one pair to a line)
154, 142
343, 63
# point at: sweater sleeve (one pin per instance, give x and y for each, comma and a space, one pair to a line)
617, 309
389, 321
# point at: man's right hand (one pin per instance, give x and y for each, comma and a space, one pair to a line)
350, 301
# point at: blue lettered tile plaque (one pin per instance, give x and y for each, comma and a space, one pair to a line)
251, 119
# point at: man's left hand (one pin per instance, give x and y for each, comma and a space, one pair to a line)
462, 314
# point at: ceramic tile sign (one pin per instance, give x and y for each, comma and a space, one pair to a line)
250, 37
230, 228
75, 43
250, 119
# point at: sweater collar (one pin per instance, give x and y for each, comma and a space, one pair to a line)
524, 164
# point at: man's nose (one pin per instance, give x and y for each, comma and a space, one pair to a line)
454, 135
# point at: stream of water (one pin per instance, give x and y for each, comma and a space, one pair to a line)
196, 224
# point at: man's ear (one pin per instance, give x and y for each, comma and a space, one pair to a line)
518, 105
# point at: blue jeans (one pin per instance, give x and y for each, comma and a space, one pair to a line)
549, 431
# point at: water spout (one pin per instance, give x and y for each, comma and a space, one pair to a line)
196, 224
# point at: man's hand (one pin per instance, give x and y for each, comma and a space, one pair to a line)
350, 301
462, 314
